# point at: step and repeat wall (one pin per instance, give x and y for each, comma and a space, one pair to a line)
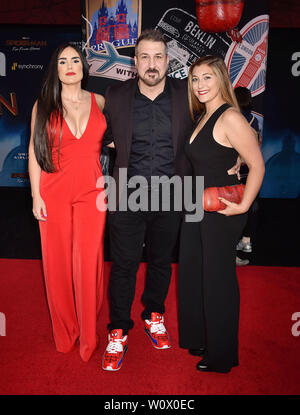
108, 34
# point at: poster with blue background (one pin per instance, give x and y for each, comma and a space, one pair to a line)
24, 54
281, 133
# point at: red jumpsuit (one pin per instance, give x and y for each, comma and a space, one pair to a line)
72, 236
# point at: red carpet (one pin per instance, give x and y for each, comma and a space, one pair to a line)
269, 353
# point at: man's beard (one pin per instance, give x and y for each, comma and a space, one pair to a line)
152, 81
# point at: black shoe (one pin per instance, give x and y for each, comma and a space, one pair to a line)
197, 352
203, 367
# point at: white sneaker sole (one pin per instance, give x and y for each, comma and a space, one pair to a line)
110, 369
161, 348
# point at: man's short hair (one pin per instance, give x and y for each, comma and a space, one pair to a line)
154, 35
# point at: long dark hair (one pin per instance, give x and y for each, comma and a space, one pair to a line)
50, 109
244, 98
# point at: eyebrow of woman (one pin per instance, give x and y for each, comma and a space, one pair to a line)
74, 57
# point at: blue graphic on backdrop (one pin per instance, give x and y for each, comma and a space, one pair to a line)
281, 134
282, 176
111, 58
246, 60
15, 166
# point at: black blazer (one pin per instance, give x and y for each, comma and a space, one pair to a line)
118, 110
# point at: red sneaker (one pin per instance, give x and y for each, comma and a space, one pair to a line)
157, 332
115, 350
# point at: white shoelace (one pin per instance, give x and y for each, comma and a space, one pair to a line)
115, 346
158, 328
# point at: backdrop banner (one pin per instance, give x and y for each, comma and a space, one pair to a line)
111, 27
24, 55
109, 30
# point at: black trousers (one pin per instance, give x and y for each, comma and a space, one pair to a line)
251, 225
128, 231
208, 290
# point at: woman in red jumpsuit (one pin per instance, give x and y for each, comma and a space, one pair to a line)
64, 166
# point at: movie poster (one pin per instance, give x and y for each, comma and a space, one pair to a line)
24, 55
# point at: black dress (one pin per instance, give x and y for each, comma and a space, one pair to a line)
208, 291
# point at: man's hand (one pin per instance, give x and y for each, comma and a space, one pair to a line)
236, 168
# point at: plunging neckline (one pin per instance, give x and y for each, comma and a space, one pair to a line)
191, 142
79, 138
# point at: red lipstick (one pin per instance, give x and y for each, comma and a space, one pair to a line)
70, 73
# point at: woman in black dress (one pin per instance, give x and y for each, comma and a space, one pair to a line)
208, 289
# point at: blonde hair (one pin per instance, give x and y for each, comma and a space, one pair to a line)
219, 68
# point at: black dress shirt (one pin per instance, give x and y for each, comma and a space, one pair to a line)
152, 152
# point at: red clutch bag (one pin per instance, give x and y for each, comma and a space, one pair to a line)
211, 203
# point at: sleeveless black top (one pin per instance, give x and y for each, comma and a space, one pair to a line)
209, 158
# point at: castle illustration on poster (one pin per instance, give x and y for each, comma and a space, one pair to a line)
115, 21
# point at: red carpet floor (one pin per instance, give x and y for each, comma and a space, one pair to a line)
269, 352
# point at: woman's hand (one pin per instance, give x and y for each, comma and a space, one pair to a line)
39, 208
232, 208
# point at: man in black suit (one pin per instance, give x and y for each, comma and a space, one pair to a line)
149, 122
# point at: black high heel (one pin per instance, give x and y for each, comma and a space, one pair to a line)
197, 352
204, 367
